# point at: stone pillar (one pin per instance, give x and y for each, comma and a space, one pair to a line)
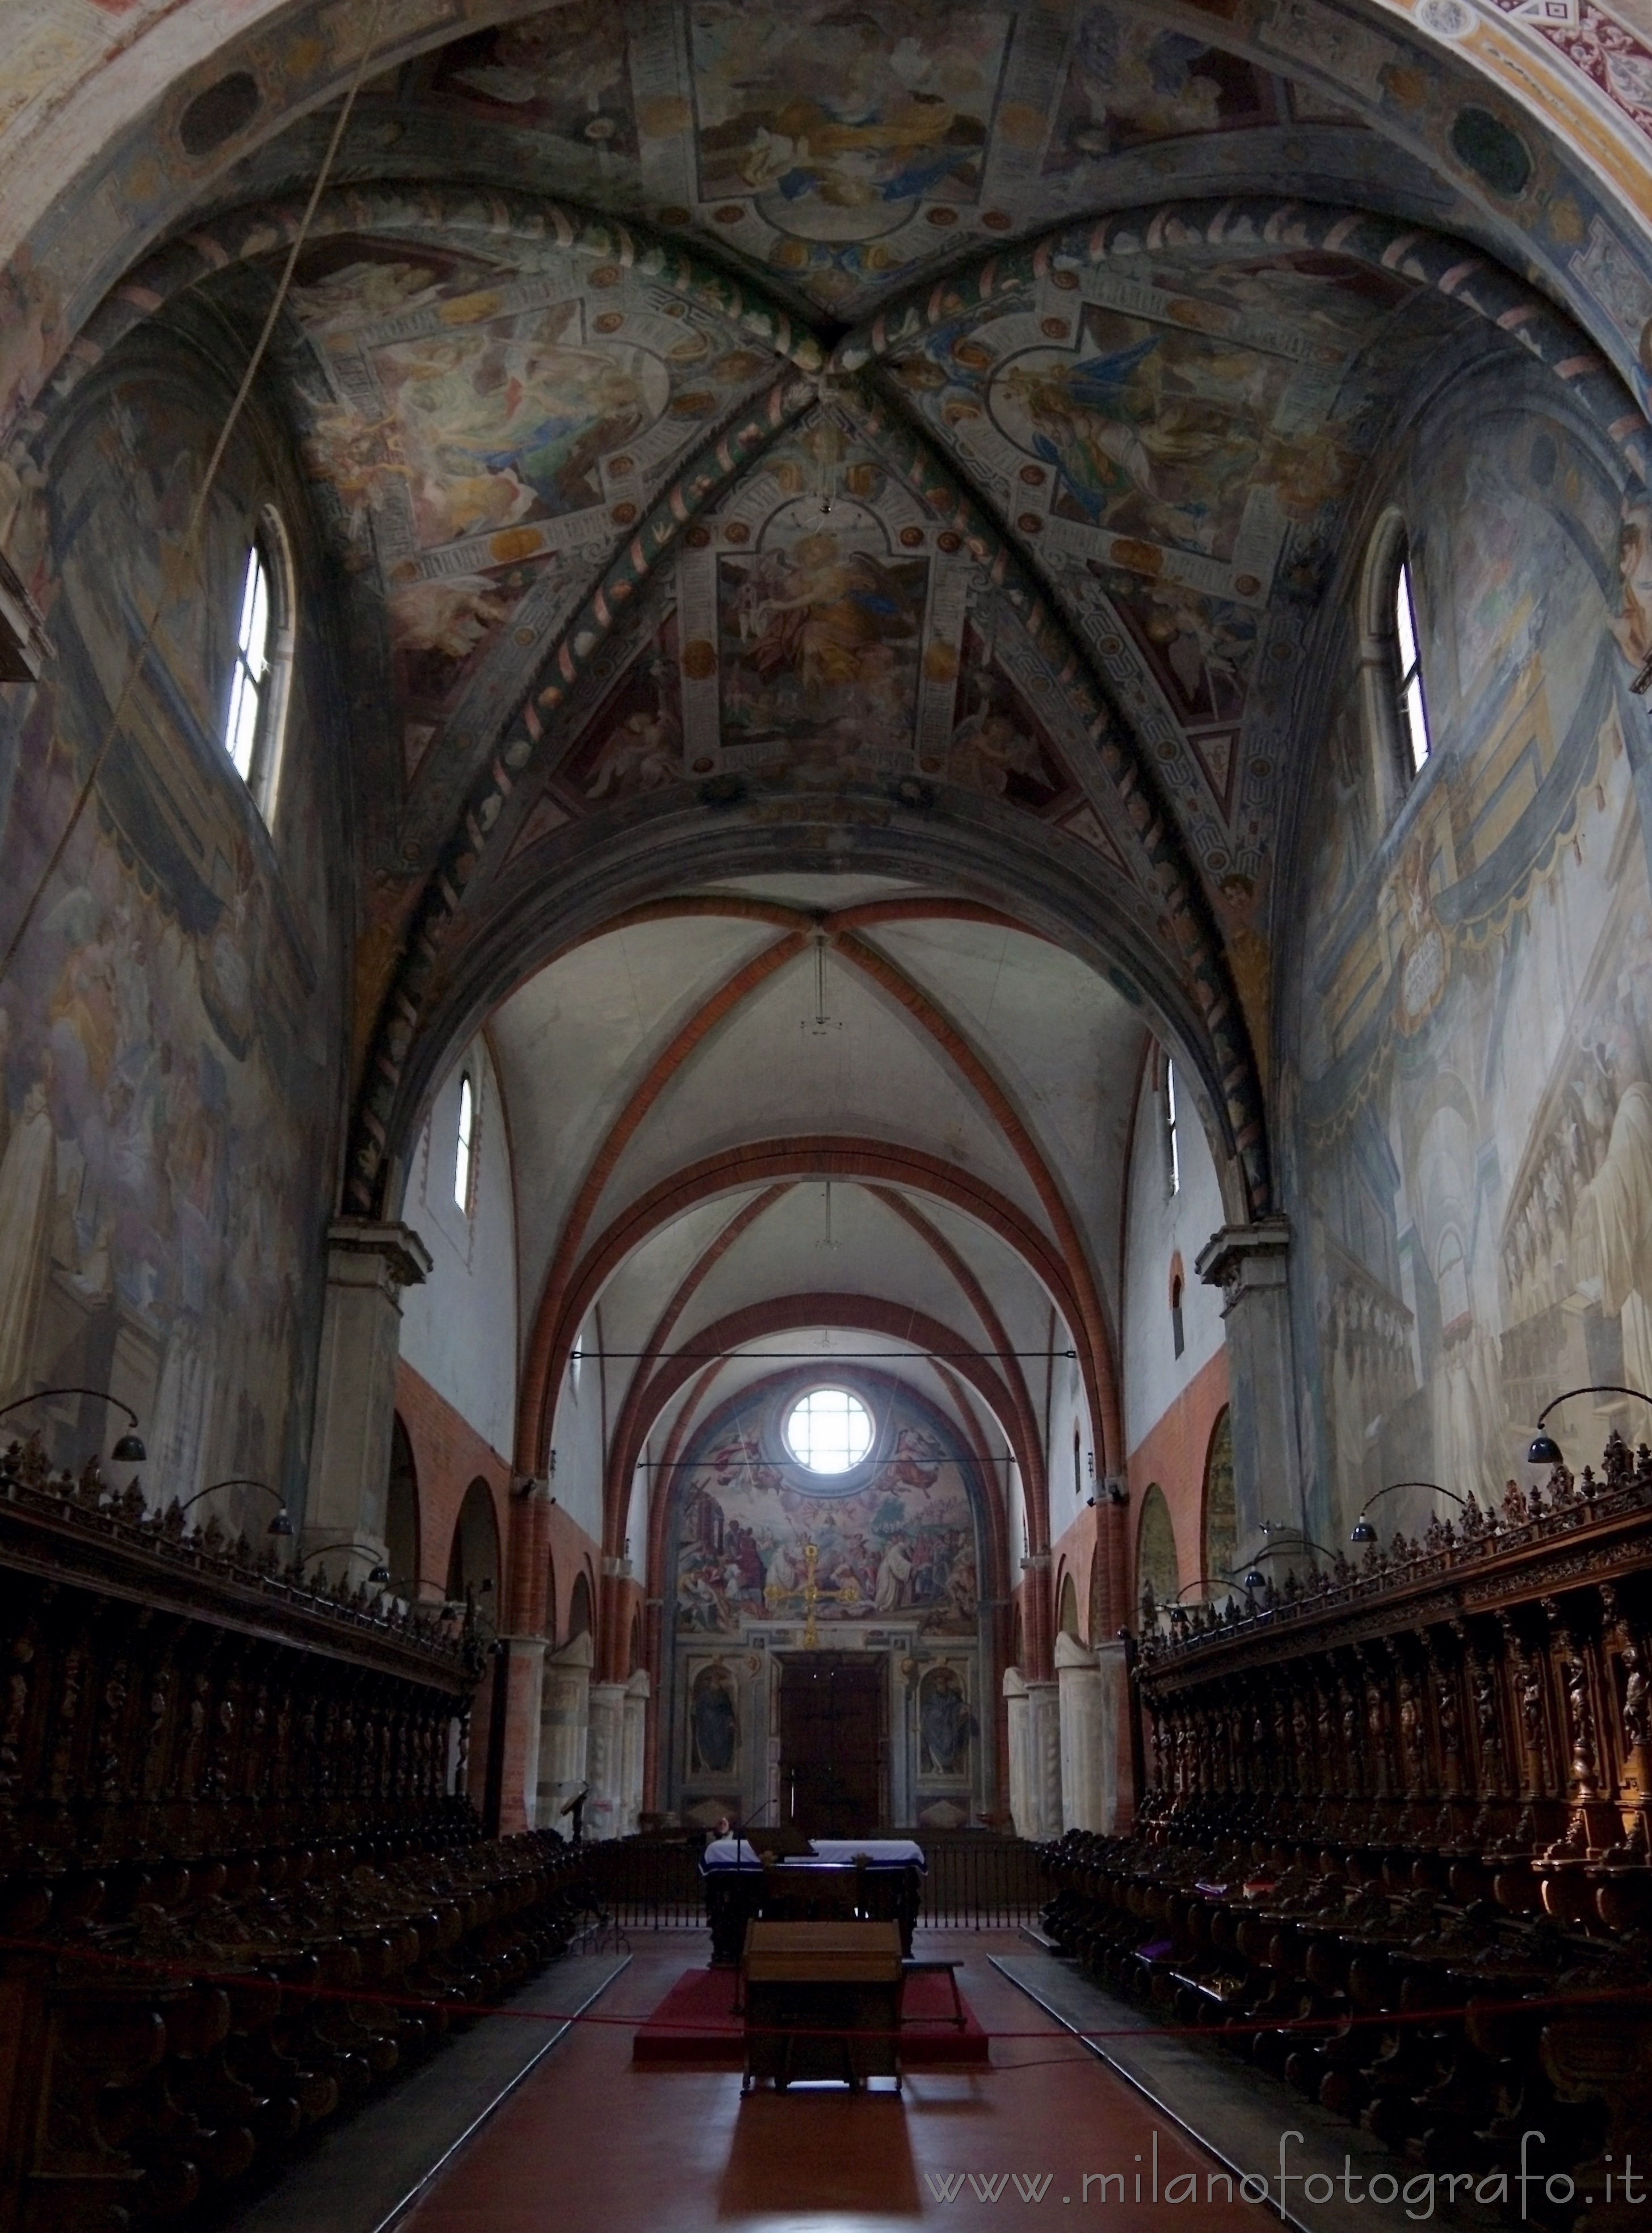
1249, 1264
605, 1762
1015, 1698
520, 1771
1035, 1755
1119, 1795
564, 1724
368, 1264
1084, 1764
1043, 1758
635, 1749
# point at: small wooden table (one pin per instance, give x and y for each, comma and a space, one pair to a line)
823, 2000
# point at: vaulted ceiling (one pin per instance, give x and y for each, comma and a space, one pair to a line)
832, 510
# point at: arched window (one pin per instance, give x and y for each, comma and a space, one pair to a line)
473, 1557
1412, 702
465, 1148
401, 1513
579, 1608
1067, 1621
1172, 1145
261, 669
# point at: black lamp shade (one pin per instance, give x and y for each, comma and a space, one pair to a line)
1256, 1580
1362, 1531
378, 1576
129, 1450
1544, 1451
281, 1525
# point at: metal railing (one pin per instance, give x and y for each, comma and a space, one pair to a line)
976, 1881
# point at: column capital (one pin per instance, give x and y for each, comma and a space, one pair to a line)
365, 1252
1241, 1259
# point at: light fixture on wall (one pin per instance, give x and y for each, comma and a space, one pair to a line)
1363, 1531
1299, 1539
281, 1525
129, 1450
1543, 1449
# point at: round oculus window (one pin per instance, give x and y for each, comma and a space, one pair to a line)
828, 1430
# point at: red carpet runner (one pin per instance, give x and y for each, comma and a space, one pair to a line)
696, 2023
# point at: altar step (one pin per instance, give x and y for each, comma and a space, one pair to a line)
696, 2024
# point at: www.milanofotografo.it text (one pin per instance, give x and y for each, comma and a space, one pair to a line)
1418, 2194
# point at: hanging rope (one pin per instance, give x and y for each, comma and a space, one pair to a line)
188, 573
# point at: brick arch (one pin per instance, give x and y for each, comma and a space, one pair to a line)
762, 1163
1097, 1352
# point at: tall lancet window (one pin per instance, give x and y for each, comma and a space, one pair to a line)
260, 671
1412, 703
465, 1148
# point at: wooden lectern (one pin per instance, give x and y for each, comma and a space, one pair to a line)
823, 2000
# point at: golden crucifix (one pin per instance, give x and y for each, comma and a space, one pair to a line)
809, 1593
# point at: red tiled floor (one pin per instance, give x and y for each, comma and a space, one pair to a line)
591, 2144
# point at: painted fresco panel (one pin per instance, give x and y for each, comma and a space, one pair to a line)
170, 1033
1473, 1024
901, 1541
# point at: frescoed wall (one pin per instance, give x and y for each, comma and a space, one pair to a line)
171, 1061
889, 1559
1468, 1046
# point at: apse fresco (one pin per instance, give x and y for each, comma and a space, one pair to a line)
899, 1542
170, 1032
1472, 1037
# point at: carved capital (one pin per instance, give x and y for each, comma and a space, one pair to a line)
1241, 1260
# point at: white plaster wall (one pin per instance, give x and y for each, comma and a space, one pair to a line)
1069, 1494
459, 1330
578, 1434
1156, 1225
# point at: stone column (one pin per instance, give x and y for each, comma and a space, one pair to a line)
564, 1725
1121, 1764
519, 1769
605, 1762
1043, 1760
636, 1746
1085, 1765
1015, 1704
1249, 1264
368, 1264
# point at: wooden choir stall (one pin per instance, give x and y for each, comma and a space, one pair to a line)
1396, 1847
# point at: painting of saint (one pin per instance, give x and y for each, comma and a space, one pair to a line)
945, 1724
841, 120
713, 1721
820, 638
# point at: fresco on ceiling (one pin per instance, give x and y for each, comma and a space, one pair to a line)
820, 632
1173, 444
841, 120
486, 431
171, 1030
1472, 1031
824, 626
1130, 83
897, 1541
565, 71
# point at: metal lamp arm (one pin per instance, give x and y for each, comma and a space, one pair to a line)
1593, 1388
235, 1480
1461, 1501
101, 1395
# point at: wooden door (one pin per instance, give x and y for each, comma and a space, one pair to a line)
831, 1743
